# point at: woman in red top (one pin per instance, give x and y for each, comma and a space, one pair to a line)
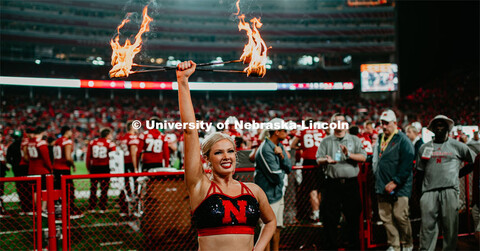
225, 210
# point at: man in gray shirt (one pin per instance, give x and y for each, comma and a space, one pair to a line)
440, 160
474, 143
341, 152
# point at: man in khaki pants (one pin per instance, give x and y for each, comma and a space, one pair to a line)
393, 157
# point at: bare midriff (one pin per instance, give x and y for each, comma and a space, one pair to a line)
237, 242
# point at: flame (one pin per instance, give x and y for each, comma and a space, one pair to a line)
255, 51
238, 7
122, 56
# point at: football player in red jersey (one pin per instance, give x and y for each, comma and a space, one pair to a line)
98, 161
129, 144
62, 162
39, 162
154, 147
308, 141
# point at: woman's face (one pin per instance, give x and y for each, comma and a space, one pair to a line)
222, 157
411, 134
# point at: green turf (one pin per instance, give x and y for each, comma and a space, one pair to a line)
80, 169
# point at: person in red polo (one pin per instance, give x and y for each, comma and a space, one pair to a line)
62, 162
98, 163
154, 147
39, 162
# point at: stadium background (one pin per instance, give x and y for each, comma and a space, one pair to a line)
434, 43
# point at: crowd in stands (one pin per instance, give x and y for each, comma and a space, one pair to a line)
88, 116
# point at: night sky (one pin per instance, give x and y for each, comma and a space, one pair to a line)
435, 37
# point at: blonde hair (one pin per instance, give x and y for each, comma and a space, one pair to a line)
212, 139
413, 128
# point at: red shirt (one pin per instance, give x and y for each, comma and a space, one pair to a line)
126, 141
366, 143
98, 150
22, 146
154, 146
59, 158
39, 158
233, 133
310, 141
2, 153
286, 143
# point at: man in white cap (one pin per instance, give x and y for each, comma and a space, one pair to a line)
441, 160
393, 157
271, 166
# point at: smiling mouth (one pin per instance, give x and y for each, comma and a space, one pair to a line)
226, 165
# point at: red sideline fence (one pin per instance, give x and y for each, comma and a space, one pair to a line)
151, 211
22, 229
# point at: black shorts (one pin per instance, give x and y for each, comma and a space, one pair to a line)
99, 169
43, 182
58, 178
128, 168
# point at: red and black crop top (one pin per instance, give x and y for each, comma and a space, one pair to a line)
219, 213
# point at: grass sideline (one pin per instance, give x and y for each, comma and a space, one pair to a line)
80, 185
81, 168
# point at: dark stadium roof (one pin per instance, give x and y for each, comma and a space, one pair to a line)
73, 31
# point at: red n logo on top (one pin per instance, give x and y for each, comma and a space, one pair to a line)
239, 213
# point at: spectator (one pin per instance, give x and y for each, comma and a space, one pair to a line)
240, 144
16, 157
475, 167
98, 163
342, 192
271, 166
3, 172
415, 137
392, 165
441, 160
368, 138
413, 133
474, 143
369, 132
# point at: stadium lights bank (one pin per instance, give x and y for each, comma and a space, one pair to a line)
290, 125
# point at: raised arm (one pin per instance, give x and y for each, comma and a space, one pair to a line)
194, 173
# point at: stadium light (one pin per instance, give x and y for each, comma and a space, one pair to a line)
305, 60
218, 59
